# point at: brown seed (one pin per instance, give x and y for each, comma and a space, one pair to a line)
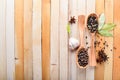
114, 47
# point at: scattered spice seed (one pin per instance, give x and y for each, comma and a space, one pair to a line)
114, 47
72, 20
119, 57
111, 50
106, 45
86, 43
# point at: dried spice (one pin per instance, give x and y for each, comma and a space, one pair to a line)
83, 57
92, 23
102, 57
72, 20
114, 47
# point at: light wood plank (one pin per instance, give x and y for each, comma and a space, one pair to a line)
36, 41
28, 40
19, 44
54, 40
81, 10
45, 39
89, 70
63, 40
10, 39
72, 11
116, 58
99, 70
109, 19
3, 67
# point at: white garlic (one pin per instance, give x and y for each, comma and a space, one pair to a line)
73, 43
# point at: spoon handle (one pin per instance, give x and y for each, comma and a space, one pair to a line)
93, 56
81, 24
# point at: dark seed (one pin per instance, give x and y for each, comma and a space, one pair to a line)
83, 57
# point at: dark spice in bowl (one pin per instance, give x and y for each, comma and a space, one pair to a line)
92, 23
83, 57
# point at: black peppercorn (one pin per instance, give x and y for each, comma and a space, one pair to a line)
92, 23
83, 57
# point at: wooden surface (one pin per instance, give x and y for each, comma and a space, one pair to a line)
19, 40
34, 40
10, 48
116, 55
28, 58
63, 37
45, 39
109, 19
54, 41
3, 67
99, 71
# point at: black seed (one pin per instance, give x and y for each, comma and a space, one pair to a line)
86, 42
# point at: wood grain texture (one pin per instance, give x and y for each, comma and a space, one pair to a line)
54, 40
36, 40
3, 67
63, 40
72, 11
10, 39
81, 10
46, 39
19, 44
90, 9
109, 19
28, 58
116, 58
99, 70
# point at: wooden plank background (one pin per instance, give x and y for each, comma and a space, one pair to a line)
34, 40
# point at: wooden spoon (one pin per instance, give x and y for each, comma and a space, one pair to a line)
81, 24
92, 32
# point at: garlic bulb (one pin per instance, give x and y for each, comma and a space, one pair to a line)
73, 43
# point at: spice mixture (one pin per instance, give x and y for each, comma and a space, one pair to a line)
92, 23
83, 57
